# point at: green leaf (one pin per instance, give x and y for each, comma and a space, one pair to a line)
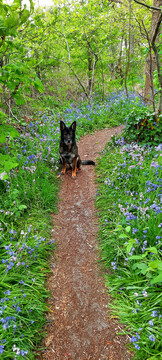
119, 228
152, 249
138, 257
156, 264
25, 15
123, 236
2, 138
8, 165
142, 266
38, 85
129, 245
14, 133
127, 229
22, 207
157, 279
19, 99
12, 21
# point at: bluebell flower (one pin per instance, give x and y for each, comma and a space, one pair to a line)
113, 264
151, 323
11, 231
152, 338
1, 349
133, 339
21, 282
22, 352
29, 228
154, 313
135, 311
18, 309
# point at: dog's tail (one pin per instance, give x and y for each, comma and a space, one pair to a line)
87, 162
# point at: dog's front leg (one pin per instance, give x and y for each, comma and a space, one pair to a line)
64, 167
74, 168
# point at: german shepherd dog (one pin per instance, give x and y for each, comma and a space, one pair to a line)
68, 150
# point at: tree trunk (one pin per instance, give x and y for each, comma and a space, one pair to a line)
151, 64
119, 64
128, 49
90, 69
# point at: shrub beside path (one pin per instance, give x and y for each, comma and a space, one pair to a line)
80, 325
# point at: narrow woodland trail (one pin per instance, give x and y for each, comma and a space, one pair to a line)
80, 326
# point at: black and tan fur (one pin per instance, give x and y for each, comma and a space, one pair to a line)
69, 151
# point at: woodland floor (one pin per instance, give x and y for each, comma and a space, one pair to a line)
80, 325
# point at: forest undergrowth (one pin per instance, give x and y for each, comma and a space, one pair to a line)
130, 230
129, 204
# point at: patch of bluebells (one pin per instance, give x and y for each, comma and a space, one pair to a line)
38, 143
137, 205
137, 208
135, 340
131, 192
19, 258
97, 112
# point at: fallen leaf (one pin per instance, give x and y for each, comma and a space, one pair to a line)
49, 340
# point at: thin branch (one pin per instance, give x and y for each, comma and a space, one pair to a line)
93, 72
67, 45
10, 111
2, 40
69, 63
103, 48
148, 6
80, 82
147, 35
99, 51
139, 24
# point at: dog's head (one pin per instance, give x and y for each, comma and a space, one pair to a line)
67, 133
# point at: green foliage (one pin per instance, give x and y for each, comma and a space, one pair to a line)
128, 202
147, 263
27, 197
72, 50
22, 289
13, 16
17, 76
8, 133
7, 162
143, 126
18, 79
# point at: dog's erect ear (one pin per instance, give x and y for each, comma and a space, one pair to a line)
73, 125
62, 125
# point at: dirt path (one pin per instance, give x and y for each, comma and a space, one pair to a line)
80, 327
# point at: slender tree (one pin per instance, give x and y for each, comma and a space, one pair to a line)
153, 59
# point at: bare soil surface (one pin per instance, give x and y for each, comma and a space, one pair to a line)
80, 326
